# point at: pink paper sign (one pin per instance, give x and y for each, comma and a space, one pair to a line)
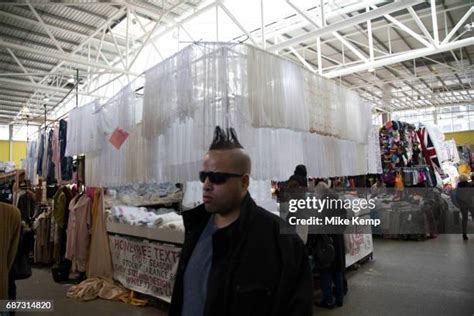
118, 137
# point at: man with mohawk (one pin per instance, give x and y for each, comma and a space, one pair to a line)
234, 259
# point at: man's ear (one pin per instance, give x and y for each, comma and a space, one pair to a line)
245, 181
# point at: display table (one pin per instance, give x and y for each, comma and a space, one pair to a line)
146, 259
161, 234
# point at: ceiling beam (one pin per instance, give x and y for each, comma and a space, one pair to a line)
61, 30
43, 46
451, 20
63, 3
398, 58
14, 103
24, 100
18, 108
38, 63
90, 12
53, 18
20, 64
45, 27
356, 51
401, 79
379, 79
37, 35
64, 57
380, 24
361, 18
39, 86
151, 10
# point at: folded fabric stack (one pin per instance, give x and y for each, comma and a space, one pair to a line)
141, 216
143, 194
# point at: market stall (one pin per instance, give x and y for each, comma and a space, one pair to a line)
138, 147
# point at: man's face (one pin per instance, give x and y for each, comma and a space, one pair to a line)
226, 197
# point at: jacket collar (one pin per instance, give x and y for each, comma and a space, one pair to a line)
199, 216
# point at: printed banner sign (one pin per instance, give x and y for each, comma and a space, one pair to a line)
145, 266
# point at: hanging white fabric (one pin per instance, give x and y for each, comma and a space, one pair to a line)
84, 134
374, 158
268, 91
31, 161
176, 156
271, 102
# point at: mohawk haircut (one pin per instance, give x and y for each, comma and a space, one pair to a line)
225, 139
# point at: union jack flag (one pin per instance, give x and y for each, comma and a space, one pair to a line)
427, 148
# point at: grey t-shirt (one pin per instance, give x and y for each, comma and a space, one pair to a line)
197, 273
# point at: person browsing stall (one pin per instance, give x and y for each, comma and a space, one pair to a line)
234, 260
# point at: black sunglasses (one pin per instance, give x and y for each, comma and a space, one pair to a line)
217, 177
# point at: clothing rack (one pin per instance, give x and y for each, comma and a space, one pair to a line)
413, 168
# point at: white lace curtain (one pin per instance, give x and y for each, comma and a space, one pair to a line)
272, 103
90, 126
374, 159
84, 130
176, 156
266, 89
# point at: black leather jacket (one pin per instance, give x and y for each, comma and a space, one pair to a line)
255, 269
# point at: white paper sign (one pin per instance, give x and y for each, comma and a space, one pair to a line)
145, 266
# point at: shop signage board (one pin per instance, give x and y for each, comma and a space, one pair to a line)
145, 266
358, 246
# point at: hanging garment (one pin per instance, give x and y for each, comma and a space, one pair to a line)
100, 260
45, 155
31, 162
78, 232
65, 162
26, 205
39, 166
83, 134
55, 155
59, 206
43, 249
51, 167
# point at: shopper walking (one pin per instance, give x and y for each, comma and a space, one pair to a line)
301, 174
10, 222
464, 197
328, 252
234, 260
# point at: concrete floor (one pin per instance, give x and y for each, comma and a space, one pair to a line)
433, 277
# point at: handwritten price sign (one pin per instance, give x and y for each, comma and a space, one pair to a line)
145, 266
